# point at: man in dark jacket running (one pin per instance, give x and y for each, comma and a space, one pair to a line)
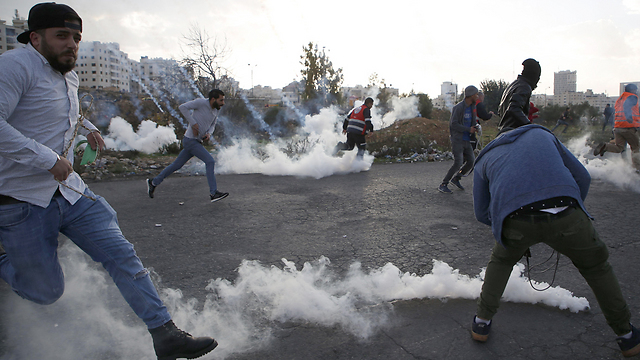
514, 105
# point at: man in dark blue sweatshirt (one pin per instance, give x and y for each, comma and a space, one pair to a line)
529, 188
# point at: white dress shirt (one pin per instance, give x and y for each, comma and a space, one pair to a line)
39, 110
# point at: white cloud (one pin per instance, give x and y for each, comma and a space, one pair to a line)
632, 5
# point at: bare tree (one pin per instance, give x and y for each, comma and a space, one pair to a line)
204, 57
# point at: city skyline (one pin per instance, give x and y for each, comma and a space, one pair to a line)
412, 46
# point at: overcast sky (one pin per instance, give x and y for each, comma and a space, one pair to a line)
411, 44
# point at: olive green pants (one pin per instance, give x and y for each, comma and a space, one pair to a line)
573, 235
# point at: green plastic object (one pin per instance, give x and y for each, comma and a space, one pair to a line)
89, 156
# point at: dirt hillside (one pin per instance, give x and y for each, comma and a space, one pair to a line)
417, 135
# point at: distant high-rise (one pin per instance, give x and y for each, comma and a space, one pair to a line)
564, 82
8, 33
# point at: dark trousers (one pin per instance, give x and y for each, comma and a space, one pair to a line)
463, 159
571, 234
353, 140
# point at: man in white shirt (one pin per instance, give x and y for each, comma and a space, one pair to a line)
202, 116
41, 196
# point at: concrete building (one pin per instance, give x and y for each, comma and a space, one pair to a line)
270, 95
448, 96
8, 33
103, 66
291, 93
564, 81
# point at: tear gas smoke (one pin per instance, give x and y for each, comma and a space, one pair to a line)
92, 321
613, 168
310, 153
403, 108
263, 126
148, 139
146, 90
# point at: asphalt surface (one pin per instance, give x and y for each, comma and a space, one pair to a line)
391, 213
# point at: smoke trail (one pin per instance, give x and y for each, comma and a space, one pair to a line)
191, 83
92, 321
149, 138
613, 168
146, 90
256, 116
289, 105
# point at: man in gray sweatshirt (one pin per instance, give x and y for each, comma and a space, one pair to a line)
461, 126
202, 116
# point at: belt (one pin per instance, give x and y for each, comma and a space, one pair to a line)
8, 200
541, 217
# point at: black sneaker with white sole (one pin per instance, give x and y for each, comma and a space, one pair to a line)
218, 196
150, 188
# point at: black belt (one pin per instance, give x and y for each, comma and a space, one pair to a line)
541, 216
8, 200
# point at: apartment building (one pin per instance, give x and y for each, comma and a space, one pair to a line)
448, 96
8, 33
103, 66
564, 81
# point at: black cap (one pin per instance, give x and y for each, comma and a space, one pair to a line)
49, 15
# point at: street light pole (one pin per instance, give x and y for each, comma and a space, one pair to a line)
251, 67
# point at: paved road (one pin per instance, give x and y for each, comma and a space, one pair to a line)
392, 213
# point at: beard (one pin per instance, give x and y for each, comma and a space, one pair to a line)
64, 66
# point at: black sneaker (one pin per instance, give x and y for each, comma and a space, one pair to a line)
480, 330
630, 347
456, 182
150, 188
600, 149
218, 196
171, 343
444, 189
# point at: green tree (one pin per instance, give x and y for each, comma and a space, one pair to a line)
425, 105
492, 91
550, 114
321, 81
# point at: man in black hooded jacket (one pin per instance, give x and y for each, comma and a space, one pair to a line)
514, 105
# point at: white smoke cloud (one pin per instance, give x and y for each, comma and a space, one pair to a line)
149, 138
310, 153
612, 168
403, 108
91, 318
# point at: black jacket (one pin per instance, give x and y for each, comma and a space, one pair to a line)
514, 106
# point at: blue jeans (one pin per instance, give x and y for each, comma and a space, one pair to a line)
29, 235
191, 147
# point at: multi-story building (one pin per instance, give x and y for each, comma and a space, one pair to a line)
448, 96
564, 81
103, 66
8, 33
